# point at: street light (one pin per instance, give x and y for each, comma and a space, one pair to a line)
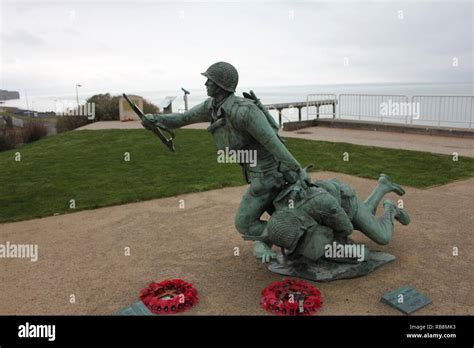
77, 94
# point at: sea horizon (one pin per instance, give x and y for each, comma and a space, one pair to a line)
267, 94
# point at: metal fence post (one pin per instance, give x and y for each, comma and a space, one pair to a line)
439, 112
359, 106
381, 116
406, 117
470, 117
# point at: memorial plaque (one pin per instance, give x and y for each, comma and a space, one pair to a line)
137, 308
405, 299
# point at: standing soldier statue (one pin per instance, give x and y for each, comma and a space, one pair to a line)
243, 124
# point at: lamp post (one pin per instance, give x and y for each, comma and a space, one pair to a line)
77, 94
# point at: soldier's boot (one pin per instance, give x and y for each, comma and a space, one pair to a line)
379, 230
401, 215
383, 187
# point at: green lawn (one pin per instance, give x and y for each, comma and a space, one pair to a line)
88, 166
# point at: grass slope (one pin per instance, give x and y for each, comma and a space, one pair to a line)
89, 167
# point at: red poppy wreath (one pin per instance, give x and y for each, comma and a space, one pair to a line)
291, 297
169, 296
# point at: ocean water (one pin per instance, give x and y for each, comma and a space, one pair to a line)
289, 94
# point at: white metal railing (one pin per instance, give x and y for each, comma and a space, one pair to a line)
374, 107
445, 110
439, 111
318, 105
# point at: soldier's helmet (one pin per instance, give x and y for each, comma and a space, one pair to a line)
285, 229
224, 75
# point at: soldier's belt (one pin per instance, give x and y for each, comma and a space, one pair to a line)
254, 238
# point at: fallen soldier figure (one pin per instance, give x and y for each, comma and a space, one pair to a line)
306, 221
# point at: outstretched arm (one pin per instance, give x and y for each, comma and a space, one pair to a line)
199, 113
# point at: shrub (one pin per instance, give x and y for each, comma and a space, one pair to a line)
8, 122
69, 123
10, 138
33, 130
150, 108
107, 107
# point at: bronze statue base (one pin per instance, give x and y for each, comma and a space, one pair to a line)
324, 270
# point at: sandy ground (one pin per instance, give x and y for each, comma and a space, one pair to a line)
417, 142
83, 254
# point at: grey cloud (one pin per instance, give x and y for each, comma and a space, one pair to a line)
151, 40
24, 37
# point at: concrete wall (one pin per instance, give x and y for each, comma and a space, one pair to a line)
125, 111
381, 127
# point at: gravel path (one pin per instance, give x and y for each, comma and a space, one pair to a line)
83, 254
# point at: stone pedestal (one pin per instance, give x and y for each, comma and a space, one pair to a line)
125, 111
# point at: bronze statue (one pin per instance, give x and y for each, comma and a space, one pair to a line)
306, 217
243, 124
313, 227
307, 220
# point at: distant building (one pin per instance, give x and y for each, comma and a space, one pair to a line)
8, 95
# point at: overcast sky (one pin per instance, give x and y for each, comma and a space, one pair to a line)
142, 45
